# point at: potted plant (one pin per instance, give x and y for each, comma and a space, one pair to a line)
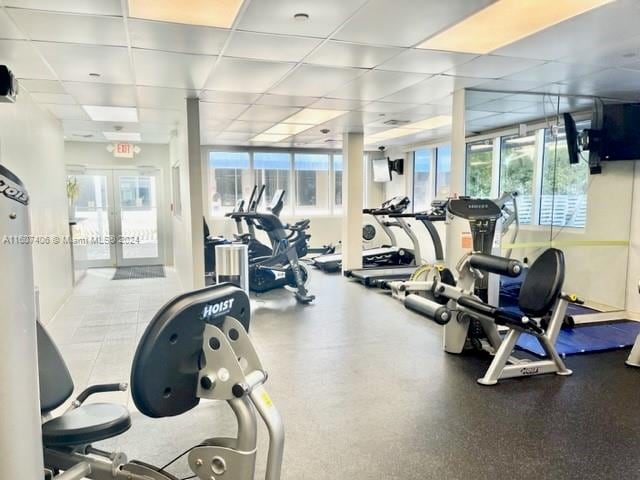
73, 191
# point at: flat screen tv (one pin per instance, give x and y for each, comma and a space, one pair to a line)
381, 170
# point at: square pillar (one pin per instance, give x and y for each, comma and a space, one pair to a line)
352, 194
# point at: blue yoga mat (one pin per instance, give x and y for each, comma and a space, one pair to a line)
587, 338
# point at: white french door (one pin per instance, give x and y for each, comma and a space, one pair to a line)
117, 217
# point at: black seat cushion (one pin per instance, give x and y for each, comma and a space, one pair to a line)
543, 284
87, 424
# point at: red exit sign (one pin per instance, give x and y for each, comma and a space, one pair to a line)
123, 150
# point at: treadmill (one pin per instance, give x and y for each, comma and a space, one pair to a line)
377, 277
390, 255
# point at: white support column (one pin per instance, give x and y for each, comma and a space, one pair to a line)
456, 183
352, 191
195, 190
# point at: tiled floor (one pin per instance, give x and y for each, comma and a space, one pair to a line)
98, 328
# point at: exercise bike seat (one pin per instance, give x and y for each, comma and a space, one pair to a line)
86, 424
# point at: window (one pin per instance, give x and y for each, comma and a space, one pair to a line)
272, 169
422, 180
312, 182
175, 191
337, 181
563, 202
479, 164
443, 171
517, 170
228, 175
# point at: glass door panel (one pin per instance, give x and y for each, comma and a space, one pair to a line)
137, 219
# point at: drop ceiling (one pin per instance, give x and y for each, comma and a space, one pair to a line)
355, 56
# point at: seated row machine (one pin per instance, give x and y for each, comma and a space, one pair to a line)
455, 306
196, 347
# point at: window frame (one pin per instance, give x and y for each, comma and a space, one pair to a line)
292, 210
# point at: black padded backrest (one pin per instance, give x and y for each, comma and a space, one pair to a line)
543, 284
56, 384
164, 375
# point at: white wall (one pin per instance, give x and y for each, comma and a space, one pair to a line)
182, 234
633, 297
96, 155
32, 146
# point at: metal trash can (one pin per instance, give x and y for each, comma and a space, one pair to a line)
232, 265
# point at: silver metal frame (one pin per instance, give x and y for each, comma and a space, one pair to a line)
634, 357
232, 373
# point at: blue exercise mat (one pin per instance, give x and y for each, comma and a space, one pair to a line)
587, 338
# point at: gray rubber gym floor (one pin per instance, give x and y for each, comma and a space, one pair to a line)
367, 393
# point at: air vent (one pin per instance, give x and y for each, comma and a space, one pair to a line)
396, 123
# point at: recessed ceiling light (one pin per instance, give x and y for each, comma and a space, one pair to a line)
111, 114
288, 128
301, 17
123, 136
219, 13
269, 137
505, 22
314, 116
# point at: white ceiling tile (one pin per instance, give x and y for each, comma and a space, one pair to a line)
315, 81
447, 100
265, 113
23, 60
339, 104
431, 89
475, 97
155, 137
509, 86
173, 37
376, 84
286, 100
8, 29
239, 75
156, 115
250, 126
575, 37
425, 61
262, 46
405, 22
74, 62
425, 111
67, 112
614, 54
228, 97
164, 69
342, 54
208, 138
553, 72
276, 16
159, 97
101, 7
42, 86
492, 66
214, 125
503, 105
217, 111
234, 136
53, 98
386, 107
60, 27
102, 94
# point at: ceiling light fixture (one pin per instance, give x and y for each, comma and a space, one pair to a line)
269, 137
123, 136
505, 22
111, 114
286, 128
314, 116
221, 13
411, 129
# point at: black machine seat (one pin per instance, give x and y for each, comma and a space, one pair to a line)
164, 375
86, 424
538, 294
543, 283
